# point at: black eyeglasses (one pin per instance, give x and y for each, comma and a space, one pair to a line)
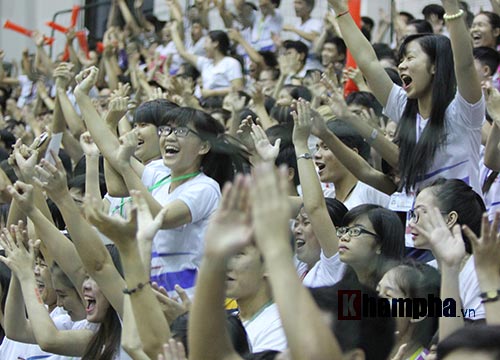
414, 214
354, 231
181, 131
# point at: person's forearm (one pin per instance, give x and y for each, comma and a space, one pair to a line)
44, 59
72, 146
265, 119
216, 92
450, 289
92, 187
320, 41
307, 333
309, 36
492, 153
127, 16
111, 71
496, 6
73, 120
252, 53
58, 124
130, 340
17, 327
279, 85
314, 202
490, 281
358, 166
207, 314
152, 326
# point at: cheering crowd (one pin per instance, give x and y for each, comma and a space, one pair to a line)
184, 193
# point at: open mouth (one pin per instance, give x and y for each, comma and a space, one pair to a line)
299, 243
320, 166
90, 304
407, 81
476, 37
140, 142
40, 285
171, 150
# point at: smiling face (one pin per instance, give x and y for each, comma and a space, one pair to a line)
330, 169
96, 305
44, 283
307, 246
483, 33
301, 8
183, 155
67, 297
245, 273
416, 71
330, 54
360, 251
148, 147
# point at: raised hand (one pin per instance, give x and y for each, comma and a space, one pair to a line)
492, 101
86, 79
88, 145
244, 134
63, 75
118, 106
302, 122
23, 160
19, 259
230, 229
263, 146
339, 5
23, 194
171, 307
486, 249
447, 246
52, 178
174, 350
128, 144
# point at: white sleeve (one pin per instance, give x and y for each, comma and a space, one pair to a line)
233, 71
332, 269
202, 63
469, 292
469, 115
396, 104
201, 198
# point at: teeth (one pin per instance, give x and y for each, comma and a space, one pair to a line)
300, 243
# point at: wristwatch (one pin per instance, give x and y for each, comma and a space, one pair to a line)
489, 296
304, 156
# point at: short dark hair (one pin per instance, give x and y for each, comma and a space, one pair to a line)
433, 9
373, 335
338, 42
349, 136
298, 46
482, 339
487, 57
366, 99
369, 21
152, 112
384, 51
422, 26
407, 15
269, 58
394, 75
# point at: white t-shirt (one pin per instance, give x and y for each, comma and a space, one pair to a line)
220, 75
469, 291
365, 194
176, 253
492, 196
311, 25
459, 157
197, 48
326, 272
265, 331
170, 51
263, 28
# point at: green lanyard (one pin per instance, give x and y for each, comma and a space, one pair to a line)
166, 180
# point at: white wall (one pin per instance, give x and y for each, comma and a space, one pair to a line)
32, 14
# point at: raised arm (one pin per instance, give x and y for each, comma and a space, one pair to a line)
228, 233
467, 79
308, 335
492, 152
176, 38
362, 51
314, 201
92, 153
94, 255
254, 55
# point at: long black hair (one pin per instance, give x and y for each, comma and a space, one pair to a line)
226, 156
415, 158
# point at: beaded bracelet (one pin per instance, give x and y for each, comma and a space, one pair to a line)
459, 14
140, 286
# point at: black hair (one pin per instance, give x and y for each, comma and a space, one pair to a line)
66, 161
152, 112
226, 115
390, 236
494, 20
8, 138
415, 158
298, 46
422, 26
336, 210
288, 157
269, 59
366, 99
212, 102
433, 9
478, 339
247, 112
338, 42
225, 155
369, 21
190, 72
269, 103
487, 57
282, 114
456, 195
407, 15
276, 3
222, 39
383, 51
372, 334
235, 328
299, 92
262, 355
418, 280
349, 136
394, 75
